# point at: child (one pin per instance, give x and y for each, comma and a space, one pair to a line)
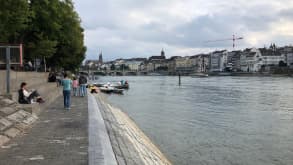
75, 86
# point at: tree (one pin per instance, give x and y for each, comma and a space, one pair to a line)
282, 64
14, 20
41, 35
112, 67
124, 67
56, 34
49, 29
70, 49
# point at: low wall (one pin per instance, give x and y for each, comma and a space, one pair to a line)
32, 78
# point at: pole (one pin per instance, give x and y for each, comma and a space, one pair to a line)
8, 70
179, 76
45, 65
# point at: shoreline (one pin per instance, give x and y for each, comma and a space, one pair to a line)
129, 142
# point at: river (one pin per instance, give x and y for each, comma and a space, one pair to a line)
215, 120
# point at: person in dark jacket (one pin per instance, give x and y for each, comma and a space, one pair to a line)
26, 96
82, 85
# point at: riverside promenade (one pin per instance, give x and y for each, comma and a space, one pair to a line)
91, 133
75, 137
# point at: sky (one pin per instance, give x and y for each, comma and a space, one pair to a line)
142, 28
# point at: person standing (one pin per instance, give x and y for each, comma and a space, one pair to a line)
82, 85
75, 86
67, 84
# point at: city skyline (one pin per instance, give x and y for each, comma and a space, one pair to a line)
141, 28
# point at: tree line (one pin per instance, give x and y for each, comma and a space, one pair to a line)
48, 29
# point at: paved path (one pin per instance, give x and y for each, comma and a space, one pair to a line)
59, 137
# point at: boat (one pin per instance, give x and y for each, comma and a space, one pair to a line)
196, 75
110, 89
106, 89
154, 74
224, 74
99, 84
119, 86
118, 91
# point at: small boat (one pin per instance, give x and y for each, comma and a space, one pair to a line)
119, 86
106, 89
99, 84
196, 75
224, 74
154, 74
110, 89
118, 91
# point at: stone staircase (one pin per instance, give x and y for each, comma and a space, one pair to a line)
16, 118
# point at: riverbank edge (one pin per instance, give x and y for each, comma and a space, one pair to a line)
129, 143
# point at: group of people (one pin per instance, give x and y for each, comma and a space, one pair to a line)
77, 86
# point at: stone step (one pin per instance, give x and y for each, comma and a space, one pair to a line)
48, 91
16, 118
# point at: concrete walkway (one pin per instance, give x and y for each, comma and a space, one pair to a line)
59, 137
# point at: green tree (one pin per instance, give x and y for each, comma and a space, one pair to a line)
70, 49
112, 67
55, 33
49, 29
42, 35
14, 16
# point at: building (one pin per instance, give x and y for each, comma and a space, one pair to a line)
171, 63
158, 58
134, 64
272, 58
92, 64
287, 52
184, 65
156, 63
218, 61
200, 62
234, 60
251, 60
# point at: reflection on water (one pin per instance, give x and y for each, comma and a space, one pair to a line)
215, 120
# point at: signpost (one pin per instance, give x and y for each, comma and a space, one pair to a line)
8, 48
8, 70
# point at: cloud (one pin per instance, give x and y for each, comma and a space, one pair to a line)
141, 28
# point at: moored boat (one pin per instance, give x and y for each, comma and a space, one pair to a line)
196, 75
106, 89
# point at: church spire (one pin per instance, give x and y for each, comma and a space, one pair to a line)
162, 53
101, 58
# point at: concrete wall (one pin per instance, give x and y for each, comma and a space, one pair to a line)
32, 78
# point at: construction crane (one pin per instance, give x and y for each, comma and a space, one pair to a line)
234, 39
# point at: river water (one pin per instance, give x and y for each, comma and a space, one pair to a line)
215, 120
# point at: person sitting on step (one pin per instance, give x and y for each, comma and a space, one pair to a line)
26, 96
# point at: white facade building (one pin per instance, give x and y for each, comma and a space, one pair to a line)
218, 61
251, 60
133, 65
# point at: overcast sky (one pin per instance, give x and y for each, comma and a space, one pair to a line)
141, 28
